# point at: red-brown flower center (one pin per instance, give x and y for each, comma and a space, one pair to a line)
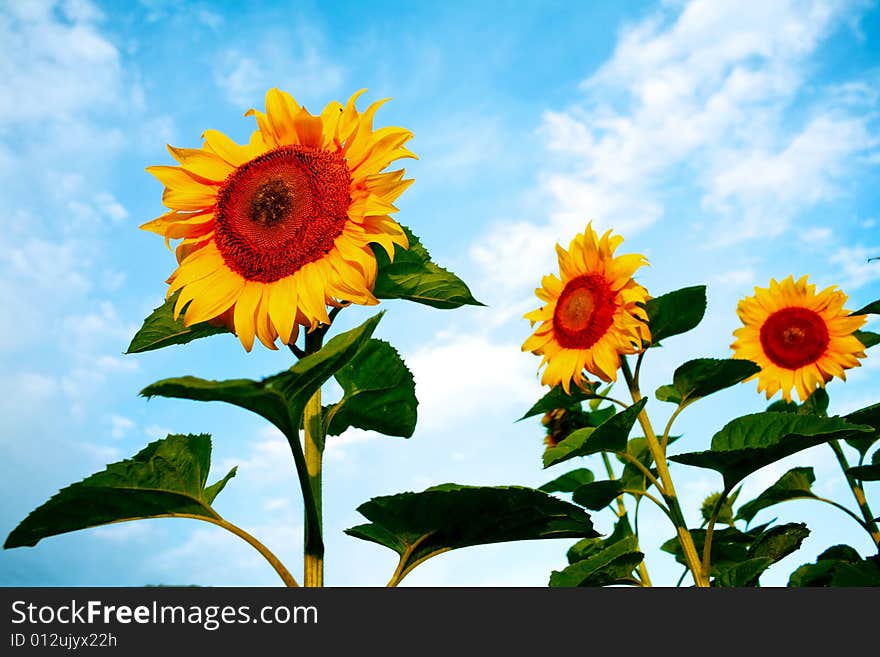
282, 210
794, 337
584, 312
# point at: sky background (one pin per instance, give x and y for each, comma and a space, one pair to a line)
729, 142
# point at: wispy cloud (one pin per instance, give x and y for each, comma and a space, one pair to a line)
294, 59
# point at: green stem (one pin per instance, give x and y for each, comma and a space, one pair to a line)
668, 492
313, 438
274, 561
622, 513
710, 530
859, 493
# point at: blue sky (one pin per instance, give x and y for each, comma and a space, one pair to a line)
730, 142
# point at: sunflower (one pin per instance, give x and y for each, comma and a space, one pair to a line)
798, 338
276, 230
592, 314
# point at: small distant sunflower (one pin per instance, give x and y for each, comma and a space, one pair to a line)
798, 338
592, 314
276, 230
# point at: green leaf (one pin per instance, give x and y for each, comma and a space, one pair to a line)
568, 482
166, 478
865, 472
730, 547
703, 376
867, 338
421, 525
415, 277
160, 329
748, 443
557, 398
379, 393
675, 312
778, 542
668, 393
745, 573
280, 398
610, 436
611, 565
870, 415
872, 308
598, 494
815, 404
794, 484
586, 547
839, 565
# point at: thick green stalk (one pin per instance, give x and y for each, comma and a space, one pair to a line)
313, 436
693, 560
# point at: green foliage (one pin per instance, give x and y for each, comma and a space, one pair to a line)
839, 565
870, 415
281, 398
794, 484
867, 338
745, 573
379, 393
675, 312
703, 376
557, 398
872, 308
160, 329
597, 494
165, 479
415, 277
612, 564
748, 443
568, 482
421, 525
586, 547
610, 436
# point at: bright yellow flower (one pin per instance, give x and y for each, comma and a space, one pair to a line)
276, 230
592, 314
798, 338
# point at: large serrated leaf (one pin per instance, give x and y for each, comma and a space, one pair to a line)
611, 565
750, 442
794, 484
378, 393
160, 329
421, 525
704, 376
280, 398
415, 277
167, 478
675, 312
610, 436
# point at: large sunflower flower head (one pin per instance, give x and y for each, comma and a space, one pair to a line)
276, 230
592, 313
798, 338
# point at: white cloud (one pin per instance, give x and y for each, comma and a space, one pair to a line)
296, 61
119, 425
855, 265
468, 375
